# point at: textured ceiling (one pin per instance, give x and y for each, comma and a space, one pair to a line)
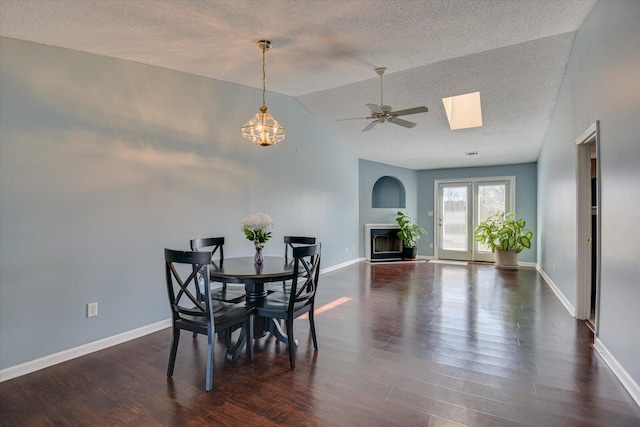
324, 53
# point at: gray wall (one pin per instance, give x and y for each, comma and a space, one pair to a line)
103, 163
525, 174
370, 172
602, 83
420, 197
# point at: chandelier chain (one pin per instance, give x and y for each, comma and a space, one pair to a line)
263, 75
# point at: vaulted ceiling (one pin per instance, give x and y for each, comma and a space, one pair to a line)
514, 52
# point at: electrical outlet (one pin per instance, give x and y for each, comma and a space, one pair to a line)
92, 309
346, 249
430, 245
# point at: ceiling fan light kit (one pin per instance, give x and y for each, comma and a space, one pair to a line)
384, 113
263, 129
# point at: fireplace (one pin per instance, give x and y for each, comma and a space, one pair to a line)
381, 242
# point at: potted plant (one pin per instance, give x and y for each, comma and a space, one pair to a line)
505, 235
409, 233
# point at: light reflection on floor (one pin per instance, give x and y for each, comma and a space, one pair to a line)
329, 306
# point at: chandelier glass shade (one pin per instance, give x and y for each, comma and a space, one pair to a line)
263, 129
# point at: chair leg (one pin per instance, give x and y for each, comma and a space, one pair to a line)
249, 336
174, 350
200, 297
210, 344
312, 324
292, 344
227, 337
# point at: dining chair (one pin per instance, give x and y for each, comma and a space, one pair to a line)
294, 241
235, 293
300, 299
201, 315
291, 242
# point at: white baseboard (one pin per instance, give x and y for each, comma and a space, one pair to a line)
82, 350
567, 304
339, 266
527, 264
627, 381
72, 353
448, 262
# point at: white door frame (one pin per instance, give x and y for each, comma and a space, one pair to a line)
583, 223
472, 202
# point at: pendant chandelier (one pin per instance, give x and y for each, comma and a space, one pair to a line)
263, 129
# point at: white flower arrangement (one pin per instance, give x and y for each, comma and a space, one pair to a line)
256, 228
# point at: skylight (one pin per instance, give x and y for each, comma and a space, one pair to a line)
463, 111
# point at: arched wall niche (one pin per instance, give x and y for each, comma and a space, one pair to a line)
388, 192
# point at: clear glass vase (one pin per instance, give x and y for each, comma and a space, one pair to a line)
258, 258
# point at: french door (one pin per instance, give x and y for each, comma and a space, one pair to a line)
460, 206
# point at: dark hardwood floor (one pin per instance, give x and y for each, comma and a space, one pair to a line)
418, 344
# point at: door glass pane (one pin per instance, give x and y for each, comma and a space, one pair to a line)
455, 218
491, 198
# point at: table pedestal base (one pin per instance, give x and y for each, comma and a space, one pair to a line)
273, 326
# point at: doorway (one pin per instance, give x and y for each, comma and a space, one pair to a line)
460, 206
588, 220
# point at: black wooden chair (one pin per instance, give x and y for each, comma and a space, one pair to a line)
201, 315
301, 298
291, 242
295, 241
234, 293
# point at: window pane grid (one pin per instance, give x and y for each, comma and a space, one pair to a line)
491, 198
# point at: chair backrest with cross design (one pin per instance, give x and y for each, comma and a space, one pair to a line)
299, 299
199, 313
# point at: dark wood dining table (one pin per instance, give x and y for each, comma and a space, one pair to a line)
255, 277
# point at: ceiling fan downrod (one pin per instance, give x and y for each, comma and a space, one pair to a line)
380, 71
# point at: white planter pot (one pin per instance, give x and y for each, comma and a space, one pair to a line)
507, 260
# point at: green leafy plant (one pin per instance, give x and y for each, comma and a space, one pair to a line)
504, 231
409, 232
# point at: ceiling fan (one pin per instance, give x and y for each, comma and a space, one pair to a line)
381, 113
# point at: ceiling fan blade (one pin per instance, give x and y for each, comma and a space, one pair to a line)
405, 123
408, 111
375, 108
370, 125
353, 118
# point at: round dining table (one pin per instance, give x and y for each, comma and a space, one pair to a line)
255, 276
